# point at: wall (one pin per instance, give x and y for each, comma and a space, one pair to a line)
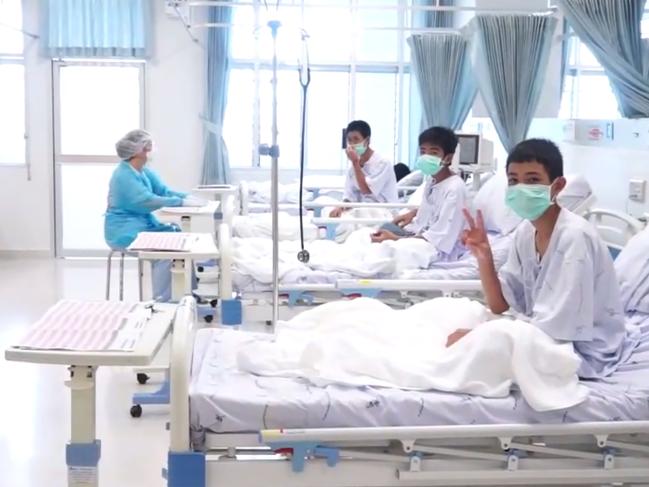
175, 89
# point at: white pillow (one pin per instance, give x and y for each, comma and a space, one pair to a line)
490, 199
415, 178
577, 196
632, 269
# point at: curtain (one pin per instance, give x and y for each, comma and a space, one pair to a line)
441, 63
216, 164
611, 29
437, 19
512, 53
96, 28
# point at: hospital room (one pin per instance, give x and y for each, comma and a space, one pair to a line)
324, 243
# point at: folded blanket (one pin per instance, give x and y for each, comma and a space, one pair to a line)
364, 342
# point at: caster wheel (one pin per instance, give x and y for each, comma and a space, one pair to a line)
142, 378
214, 303
136, 411
208, 318
269, 323
200, 268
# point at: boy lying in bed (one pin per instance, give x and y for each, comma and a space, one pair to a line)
438, 220
559, 274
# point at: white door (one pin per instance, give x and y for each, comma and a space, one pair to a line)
95, 103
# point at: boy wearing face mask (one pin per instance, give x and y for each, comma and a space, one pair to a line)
559, 274
439, 218
371, 177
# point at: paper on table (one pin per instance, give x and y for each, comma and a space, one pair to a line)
164, 241
88, 326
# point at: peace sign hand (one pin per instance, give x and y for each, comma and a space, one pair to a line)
475, 237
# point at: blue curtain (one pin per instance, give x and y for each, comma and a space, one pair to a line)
441, 63
611, 29
512, 53
96, 28
216, 165
433, 18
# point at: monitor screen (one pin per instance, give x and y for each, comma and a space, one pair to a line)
469, 148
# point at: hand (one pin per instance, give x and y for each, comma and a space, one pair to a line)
352, 155
405, 219
336, 213
475, 238
456, 336
383, 235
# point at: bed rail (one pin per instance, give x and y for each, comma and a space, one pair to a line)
615, 227
444, 286
182, 343
226, 260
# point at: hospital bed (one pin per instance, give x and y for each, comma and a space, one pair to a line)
231, 428
310, 287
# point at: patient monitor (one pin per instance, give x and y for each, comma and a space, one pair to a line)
475, 155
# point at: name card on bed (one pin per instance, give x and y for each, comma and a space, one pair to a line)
89, 326
164, 241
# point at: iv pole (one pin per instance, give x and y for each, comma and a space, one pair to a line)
273, 151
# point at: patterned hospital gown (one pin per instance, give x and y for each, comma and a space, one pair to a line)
571, 293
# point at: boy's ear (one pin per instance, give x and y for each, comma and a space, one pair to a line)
557, 186
448, 158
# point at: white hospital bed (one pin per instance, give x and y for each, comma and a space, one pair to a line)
231, 428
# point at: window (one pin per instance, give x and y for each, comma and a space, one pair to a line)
12, 85
359, 70
95, 104
585, 81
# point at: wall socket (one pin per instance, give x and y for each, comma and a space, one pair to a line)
637, 188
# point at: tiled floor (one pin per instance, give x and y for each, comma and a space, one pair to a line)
34, 404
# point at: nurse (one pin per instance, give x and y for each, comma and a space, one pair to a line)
371, 177
135, 192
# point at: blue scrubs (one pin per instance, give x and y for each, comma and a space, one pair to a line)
132, 197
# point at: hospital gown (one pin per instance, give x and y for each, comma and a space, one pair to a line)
380, 178
571, 293
439, 219
132, 196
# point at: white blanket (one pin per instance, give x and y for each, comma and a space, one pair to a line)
260, 224
260, 192
357, 256
366, 343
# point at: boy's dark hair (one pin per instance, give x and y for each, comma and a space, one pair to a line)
360, 126
401, 171
543, 151
440, 136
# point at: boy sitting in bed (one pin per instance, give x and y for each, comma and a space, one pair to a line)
559, 274
439, 218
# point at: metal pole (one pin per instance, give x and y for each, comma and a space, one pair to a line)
274, 152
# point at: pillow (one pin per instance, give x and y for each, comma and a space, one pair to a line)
632, 268
577, 196
415, 178
490, 199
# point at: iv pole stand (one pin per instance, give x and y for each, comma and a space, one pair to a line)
273, 152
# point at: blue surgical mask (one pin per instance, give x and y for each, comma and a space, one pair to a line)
429, 165
529, 201
360, 148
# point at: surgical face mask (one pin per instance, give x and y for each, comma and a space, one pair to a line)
429, 165
360, 148
529, 201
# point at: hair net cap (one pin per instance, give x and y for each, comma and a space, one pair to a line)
132, 143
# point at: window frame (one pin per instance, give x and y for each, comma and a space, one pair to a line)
19, 59
59, 159
400, 68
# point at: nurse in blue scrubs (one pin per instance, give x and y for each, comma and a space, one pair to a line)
135, 192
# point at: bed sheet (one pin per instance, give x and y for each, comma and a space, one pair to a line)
225, 400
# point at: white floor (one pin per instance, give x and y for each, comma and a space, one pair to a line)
35, 405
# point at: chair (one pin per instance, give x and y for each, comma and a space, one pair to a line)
109, 265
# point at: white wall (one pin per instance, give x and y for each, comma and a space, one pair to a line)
175, 88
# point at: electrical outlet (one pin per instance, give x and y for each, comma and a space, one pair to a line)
637, 190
